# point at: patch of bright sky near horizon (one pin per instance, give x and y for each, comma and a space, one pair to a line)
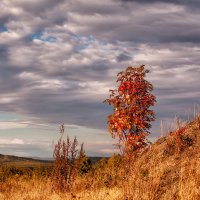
24, 138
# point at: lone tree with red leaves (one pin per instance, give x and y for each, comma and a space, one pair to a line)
132, 117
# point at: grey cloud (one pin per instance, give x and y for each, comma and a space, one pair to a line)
120, 23
3, 52
123, 57
81, 111
8, 81
93, 7
151, 1
36, 7
132, 24
181, 2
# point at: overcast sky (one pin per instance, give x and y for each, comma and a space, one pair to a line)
59, 58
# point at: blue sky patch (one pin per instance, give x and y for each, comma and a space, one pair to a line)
40, 36
3, 28
84, 41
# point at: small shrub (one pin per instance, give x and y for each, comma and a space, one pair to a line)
177, 140
85, 165
66, 164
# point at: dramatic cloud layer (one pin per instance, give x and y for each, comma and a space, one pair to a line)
60, 58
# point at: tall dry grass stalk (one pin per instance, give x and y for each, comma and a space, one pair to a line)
64, 172
66, 162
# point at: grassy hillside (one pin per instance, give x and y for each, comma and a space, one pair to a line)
171, 166
168, 170
9, 160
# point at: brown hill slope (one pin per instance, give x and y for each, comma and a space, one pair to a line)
170, 168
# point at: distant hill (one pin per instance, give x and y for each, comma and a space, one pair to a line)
8, 160
11, 158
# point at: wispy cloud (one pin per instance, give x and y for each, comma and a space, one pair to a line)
14, 141
12, 125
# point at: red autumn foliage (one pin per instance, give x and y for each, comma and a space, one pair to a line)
131, 118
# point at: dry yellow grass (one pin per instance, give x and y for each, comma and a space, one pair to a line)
160, 173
